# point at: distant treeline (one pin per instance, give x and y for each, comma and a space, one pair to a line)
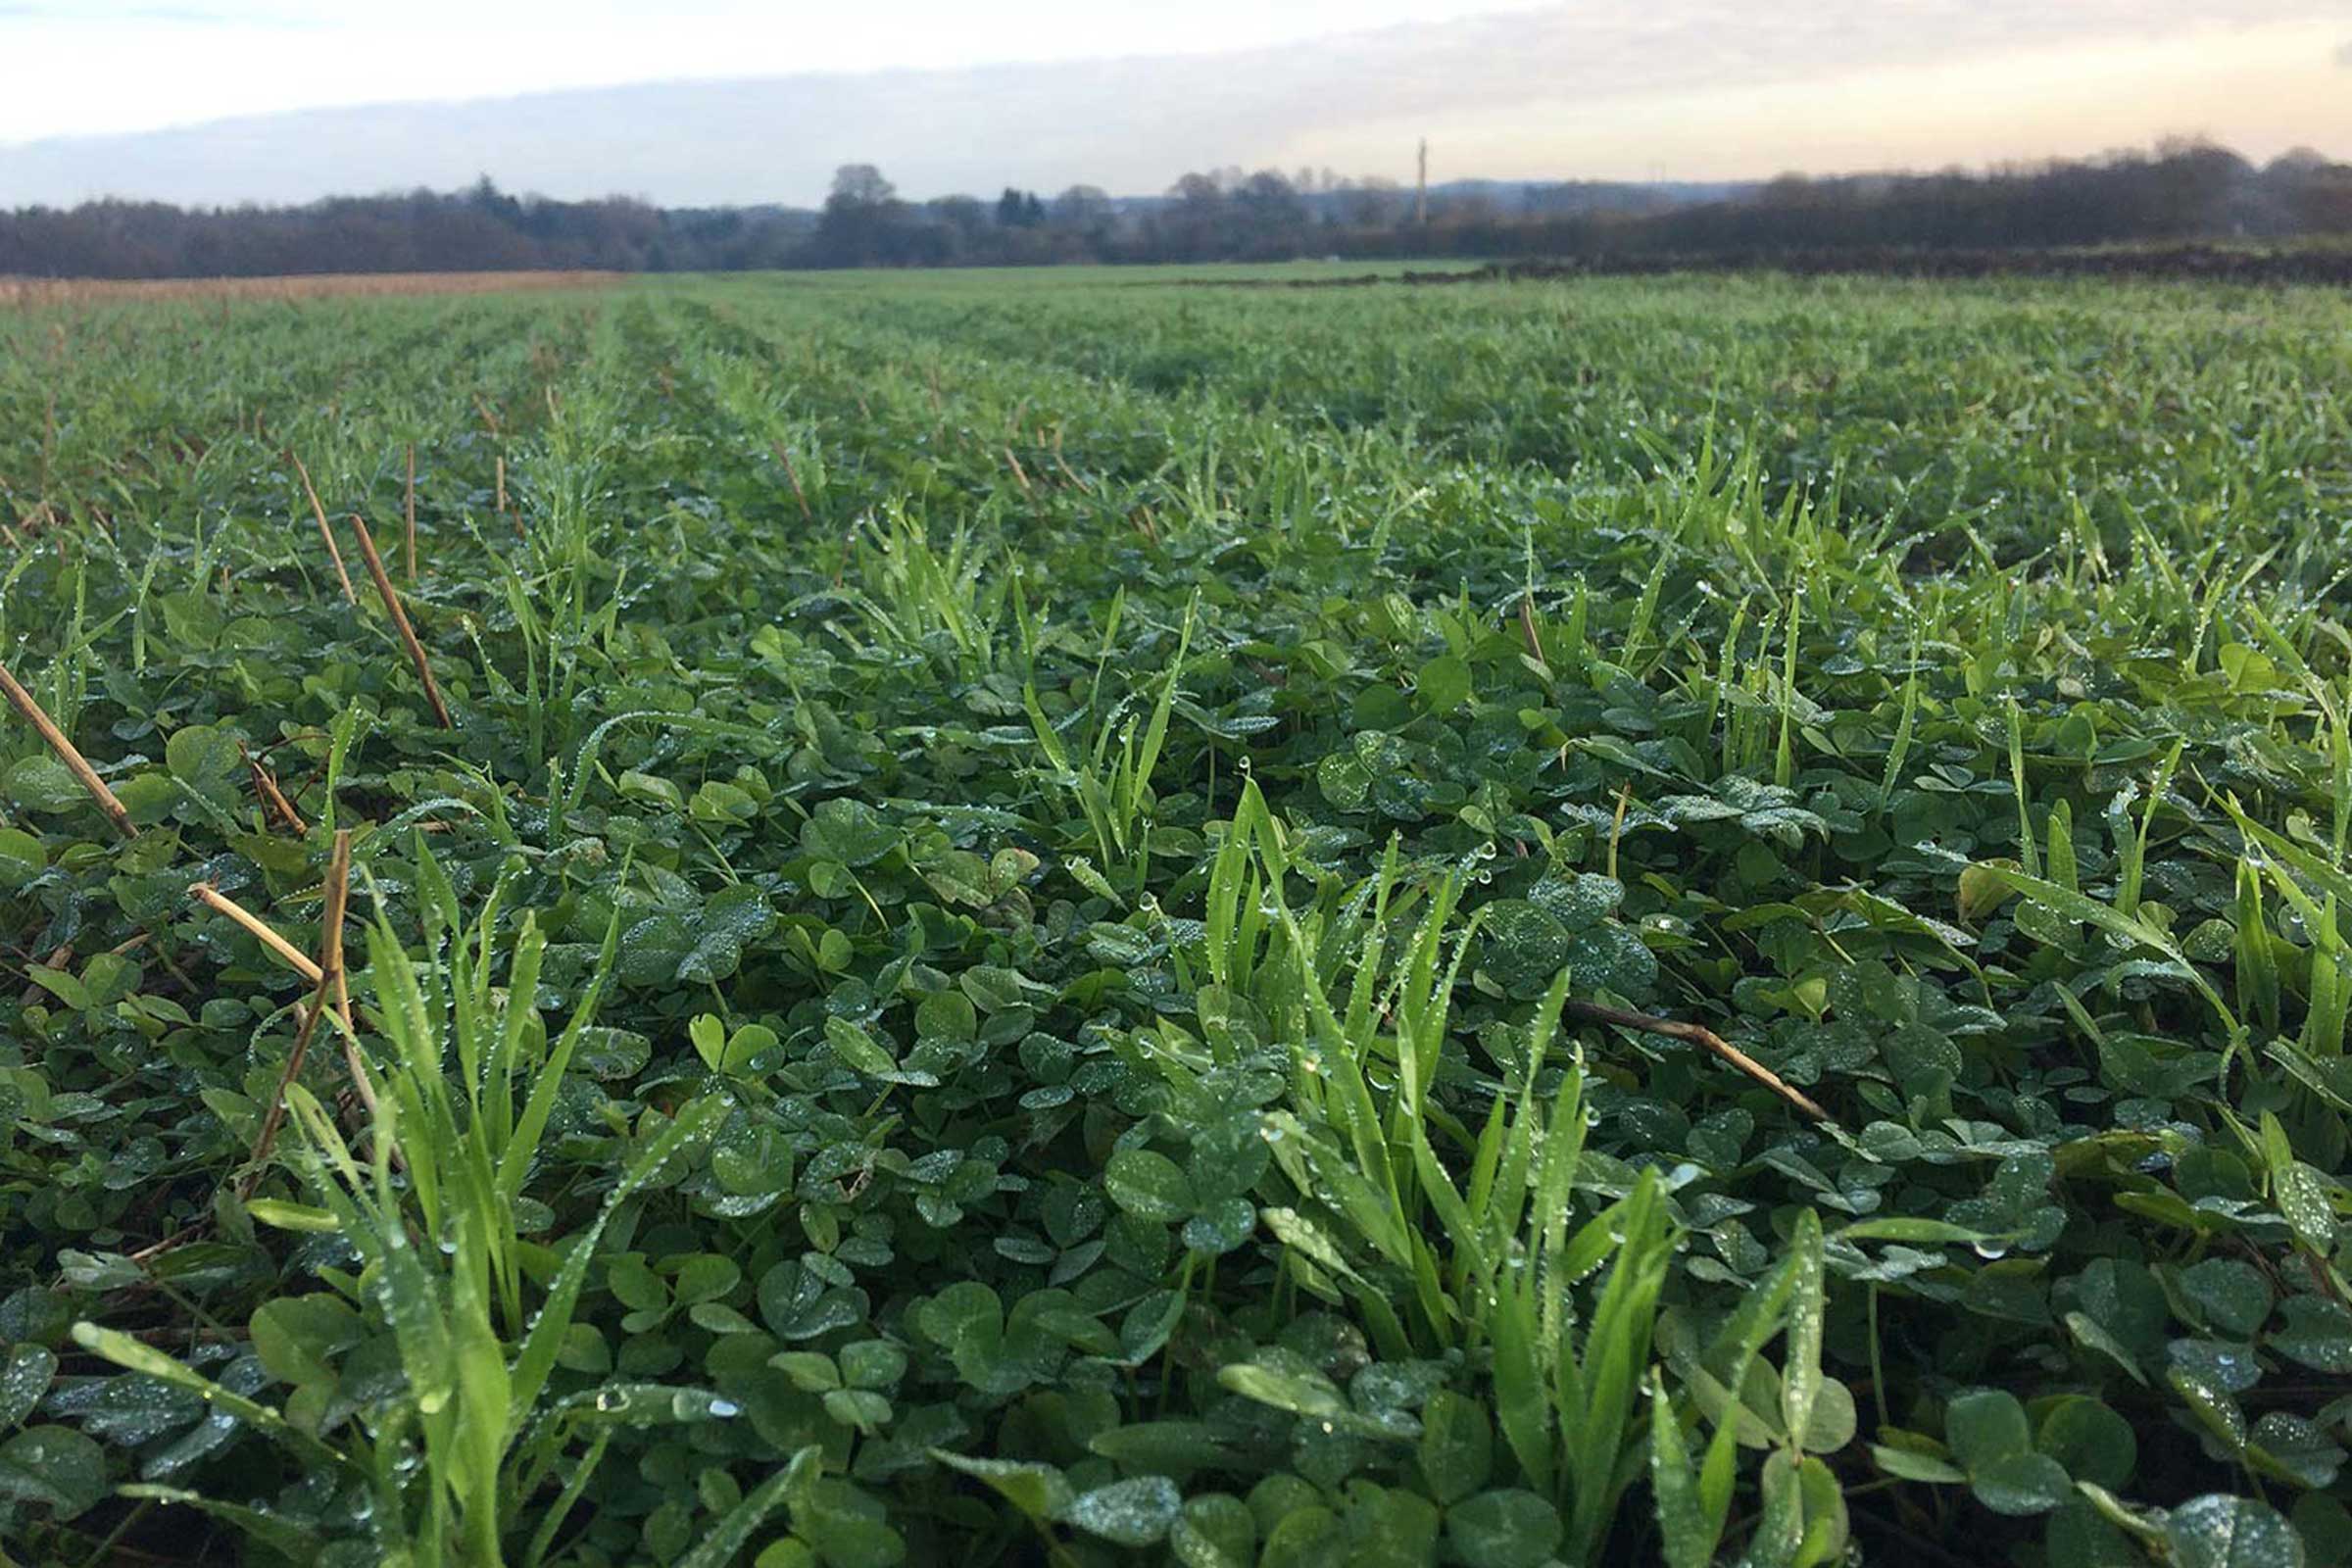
2178, 191
2192, 191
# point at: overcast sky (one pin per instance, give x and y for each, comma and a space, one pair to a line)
726, 100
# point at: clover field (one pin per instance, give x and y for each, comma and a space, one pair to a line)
1067, 920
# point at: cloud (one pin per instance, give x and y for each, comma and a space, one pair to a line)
1130, 124
2343, 54
113, 13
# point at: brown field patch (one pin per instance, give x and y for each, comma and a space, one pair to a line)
26, 292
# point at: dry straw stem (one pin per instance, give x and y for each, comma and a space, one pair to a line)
793, 478
330, 948
325, 532
400, 621
274, 800
276, 1116
59, 957
410, 508
331, 978
286, 952
1704, 1038
1066, 472
75, 764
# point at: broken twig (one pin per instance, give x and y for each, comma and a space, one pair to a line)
400, 621
274, 800
286, 952
1705, 1039
330, 977
75, 764
325, 532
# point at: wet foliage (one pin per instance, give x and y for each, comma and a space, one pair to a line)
989, 969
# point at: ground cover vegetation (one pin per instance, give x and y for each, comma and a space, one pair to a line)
1021, 920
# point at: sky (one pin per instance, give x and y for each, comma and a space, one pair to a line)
715, 101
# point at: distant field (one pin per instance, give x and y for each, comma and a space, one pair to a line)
37, 291
1033, 919
1006, 281
42, 291
2305, 263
